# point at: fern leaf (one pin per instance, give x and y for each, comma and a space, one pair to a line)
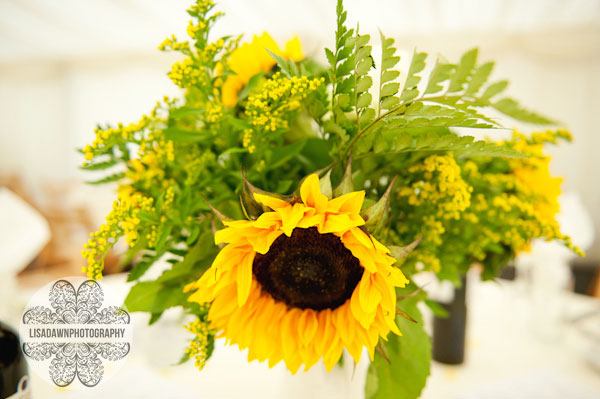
510, 107
404, 140
387, 88
464, 71
440, 74
480, 76
410, 90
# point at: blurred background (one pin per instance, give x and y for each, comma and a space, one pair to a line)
68, 65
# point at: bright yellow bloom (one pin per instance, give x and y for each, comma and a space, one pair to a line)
534, 174
302, 282
252, 58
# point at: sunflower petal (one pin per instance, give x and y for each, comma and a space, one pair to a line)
369, 295
307, 326
271, 202
311, 195
347, 203
244, 278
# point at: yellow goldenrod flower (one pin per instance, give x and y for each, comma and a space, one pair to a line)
301, 282
198, 349
122, 220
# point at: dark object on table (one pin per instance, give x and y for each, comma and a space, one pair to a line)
508, 273
13, 369
585, 273
449, 332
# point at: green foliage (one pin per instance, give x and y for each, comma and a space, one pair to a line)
403, 369
192, 150
288, 67
387, 87
107, 179
166, 291
399, 140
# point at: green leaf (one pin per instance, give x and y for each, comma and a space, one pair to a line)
437, 309
363, 66
108, 179
330, 57
288, 67
194, 263
389, 102
405, 374
283, 154
493, 89
186, 136
388, 76
364, 83
364, 100
252, 83
464, 71
153, 297
367, 114
480, 76
510, 107
430, 138
99, 165
167, 291
185, 111
417, 64
154, 317
317, 152
441, 73
139, 269
389, 89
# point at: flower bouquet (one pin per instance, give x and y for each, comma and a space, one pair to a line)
295, 200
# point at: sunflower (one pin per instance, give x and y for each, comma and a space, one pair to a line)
301, 282
252, 58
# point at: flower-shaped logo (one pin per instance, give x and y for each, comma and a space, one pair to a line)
75, 333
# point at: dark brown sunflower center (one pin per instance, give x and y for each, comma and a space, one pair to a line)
308, 270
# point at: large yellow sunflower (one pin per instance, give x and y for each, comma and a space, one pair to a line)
301, 282
252, 58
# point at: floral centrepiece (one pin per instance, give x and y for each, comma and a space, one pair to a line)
302, 281
301, 272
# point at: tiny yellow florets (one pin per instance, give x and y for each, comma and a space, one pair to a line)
198, 349
123, 220
441, 186
269, 107
214, 112
108, 136
185, 73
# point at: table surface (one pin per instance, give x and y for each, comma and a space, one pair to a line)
507, 357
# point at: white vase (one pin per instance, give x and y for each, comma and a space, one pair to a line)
342, 382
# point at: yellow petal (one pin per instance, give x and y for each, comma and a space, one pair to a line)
307, 326
244, 278
333, 354
293, 49
362, 237
290, 216
365, 319
347, 203
325, 330
267, 220
342, 320
360, 252
369, 296
339, 224
271, 202
311, 195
